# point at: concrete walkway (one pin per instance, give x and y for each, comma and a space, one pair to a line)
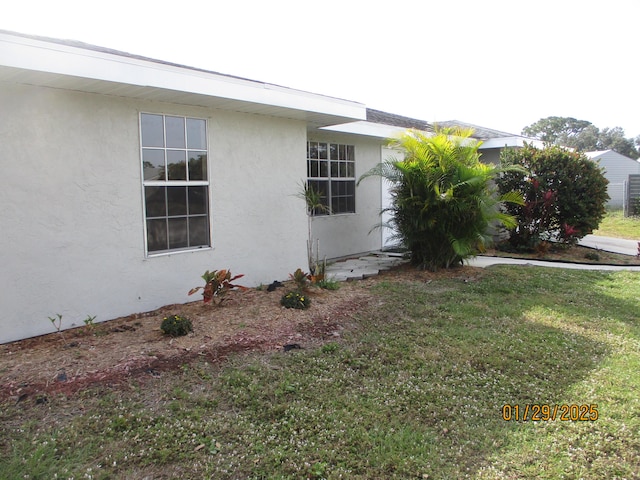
488, 261
366, 265
609, 244
370, 264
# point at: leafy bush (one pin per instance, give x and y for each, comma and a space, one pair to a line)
301, 279
217, 285
443, 202
176, 325
295, 300
564, 192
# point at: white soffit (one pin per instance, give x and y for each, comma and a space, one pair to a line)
40, 62
369, 129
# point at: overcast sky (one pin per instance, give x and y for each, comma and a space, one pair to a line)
494, 63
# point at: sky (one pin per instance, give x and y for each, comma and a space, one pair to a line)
500, 64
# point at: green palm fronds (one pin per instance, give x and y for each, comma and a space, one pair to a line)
443, 200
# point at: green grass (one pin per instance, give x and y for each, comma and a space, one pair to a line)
616, 225
413, 389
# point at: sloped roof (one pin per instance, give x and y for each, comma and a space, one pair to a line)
490, 137
481, 133
596, 154
384, 118
609, 155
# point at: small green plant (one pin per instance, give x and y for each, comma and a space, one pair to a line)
295, 300
301, 279
89, 322
328, 284
217, 285
330, 347
176, 325
592, 256
57, 324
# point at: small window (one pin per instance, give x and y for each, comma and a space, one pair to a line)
331, 173
175, 182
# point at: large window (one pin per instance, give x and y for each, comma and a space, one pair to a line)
331, 172
175, 182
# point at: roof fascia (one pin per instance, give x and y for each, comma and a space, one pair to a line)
37, 55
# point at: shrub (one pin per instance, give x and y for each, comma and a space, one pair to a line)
295, 300
565, 194
176, 325
217, 285
328, 284
443, 202
592, 256
635, 207
301, 279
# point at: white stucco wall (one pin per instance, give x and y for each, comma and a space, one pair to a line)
347, 234
72, 225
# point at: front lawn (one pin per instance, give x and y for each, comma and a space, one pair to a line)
413, 387
616, 225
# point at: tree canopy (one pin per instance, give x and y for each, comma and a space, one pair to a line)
582, 135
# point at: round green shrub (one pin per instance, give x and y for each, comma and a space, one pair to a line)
176, 325
295, 300
565, 194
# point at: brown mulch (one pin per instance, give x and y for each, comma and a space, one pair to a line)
113, 351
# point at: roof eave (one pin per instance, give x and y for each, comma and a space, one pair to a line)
45, 63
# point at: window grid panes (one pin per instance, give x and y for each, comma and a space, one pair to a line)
175, 183
331, 173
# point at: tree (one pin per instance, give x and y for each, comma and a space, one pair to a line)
582, 135
614, 139
565, 194
443, 202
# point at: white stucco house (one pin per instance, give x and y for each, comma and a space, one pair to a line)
126, 178
617, 168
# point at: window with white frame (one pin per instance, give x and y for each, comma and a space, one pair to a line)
331, 173
175, 182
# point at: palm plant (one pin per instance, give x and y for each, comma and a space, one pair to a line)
444, 204
315, 204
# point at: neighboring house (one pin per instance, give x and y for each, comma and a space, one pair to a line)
125, 178
617, 169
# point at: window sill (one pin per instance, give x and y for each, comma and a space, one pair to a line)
176, 252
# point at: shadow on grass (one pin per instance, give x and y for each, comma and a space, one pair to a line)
514, 336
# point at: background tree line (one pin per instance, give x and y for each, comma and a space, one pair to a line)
583, 136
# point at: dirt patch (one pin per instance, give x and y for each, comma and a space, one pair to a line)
115, 350
576, 254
